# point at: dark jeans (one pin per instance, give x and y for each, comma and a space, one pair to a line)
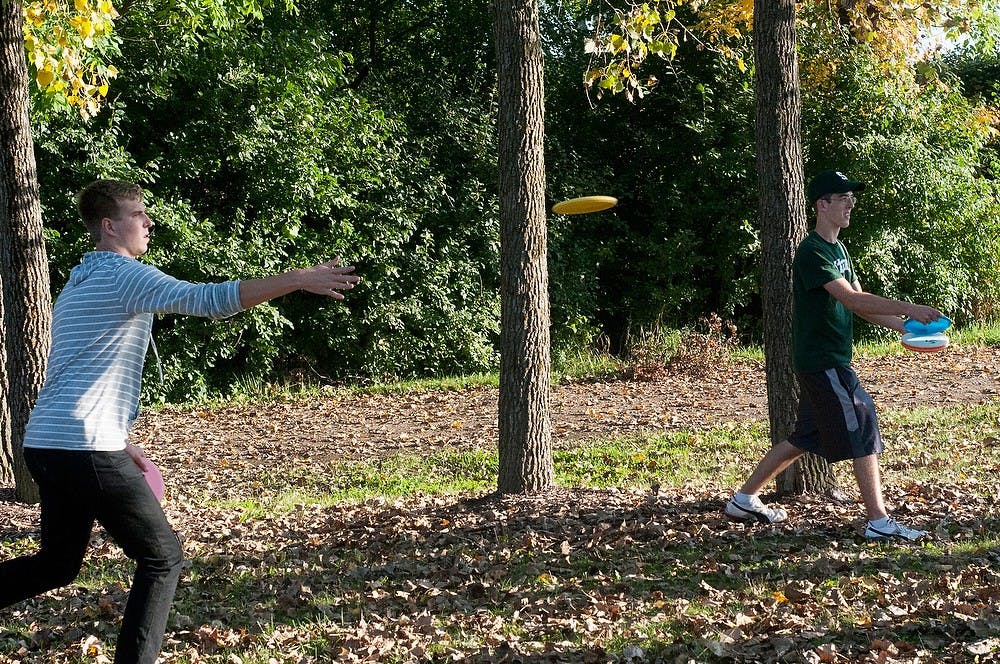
76, 489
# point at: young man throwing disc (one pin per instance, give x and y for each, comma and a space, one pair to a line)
836, 418
76, 441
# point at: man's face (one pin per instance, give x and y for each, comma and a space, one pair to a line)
132, 226
837, 208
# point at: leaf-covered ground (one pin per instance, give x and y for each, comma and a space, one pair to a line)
636, 573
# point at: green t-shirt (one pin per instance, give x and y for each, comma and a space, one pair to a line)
822, 327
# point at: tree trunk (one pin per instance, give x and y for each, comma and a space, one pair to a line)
783, 222
27, 309
525, 438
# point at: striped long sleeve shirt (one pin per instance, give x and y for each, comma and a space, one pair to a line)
101, 327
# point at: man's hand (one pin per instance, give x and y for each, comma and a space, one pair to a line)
324, 279
328, 278
923, 313
138, 456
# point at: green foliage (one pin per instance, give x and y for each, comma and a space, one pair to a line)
635, 34
682, 240
366, 130
259, 156
68, 47
927, 226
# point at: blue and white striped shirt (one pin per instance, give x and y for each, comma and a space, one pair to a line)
101, 326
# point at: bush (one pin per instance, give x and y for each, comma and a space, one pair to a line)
258, 156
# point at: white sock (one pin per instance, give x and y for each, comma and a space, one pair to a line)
745, 499
880, 523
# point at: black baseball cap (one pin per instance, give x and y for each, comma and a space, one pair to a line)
831, 182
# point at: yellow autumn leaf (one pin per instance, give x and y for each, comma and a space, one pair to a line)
44, 77
779, 597
85, 27
35, 15
103, 89
81, 5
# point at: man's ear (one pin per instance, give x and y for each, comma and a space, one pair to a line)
107, 229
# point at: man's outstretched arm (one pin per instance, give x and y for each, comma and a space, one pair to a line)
324, 279
877, 309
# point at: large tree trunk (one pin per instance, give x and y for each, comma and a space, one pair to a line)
25, 278
783, 222
525, 445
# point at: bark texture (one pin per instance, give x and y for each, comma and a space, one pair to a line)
525, 438
23, 262
783, 222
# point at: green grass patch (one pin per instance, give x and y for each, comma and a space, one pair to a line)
675, 458
448, 472
983, 334
957, 444
583, 363
923, 443
671, 459
432, 384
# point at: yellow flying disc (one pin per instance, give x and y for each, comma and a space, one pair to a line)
585, 204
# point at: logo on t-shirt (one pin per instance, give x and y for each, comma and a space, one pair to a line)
843, 266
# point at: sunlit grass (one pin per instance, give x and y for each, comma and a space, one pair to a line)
585, 363
922, 444
431, 384
670, 459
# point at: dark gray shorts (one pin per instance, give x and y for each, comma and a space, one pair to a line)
836, 417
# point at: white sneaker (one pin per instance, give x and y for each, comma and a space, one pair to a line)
894, 530
753, 510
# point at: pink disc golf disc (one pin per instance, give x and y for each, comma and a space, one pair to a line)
155, 480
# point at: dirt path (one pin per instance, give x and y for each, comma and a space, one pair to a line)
203, 447
363, 426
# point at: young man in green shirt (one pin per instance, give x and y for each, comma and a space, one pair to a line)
836, 418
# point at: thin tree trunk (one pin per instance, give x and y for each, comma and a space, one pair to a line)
25, 278
10, 49
525, 439
783, 221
